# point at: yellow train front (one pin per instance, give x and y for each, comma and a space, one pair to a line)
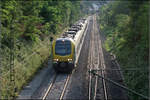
63, 54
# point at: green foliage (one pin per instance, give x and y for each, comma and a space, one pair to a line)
28, 59
26, 19
28, 23
125, 24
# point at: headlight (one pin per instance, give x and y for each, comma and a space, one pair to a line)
69, 59
55, 60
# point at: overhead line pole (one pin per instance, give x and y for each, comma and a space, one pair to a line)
0, 53
12, 52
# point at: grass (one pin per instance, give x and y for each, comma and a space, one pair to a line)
24, 69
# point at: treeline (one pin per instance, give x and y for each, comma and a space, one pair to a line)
31, 20
126, 26
25, 26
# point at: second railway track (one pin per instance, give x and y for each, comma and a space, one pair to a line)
96, 62
102, 64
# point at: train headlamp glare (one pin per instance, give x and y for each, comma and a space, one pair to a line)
55, 59
69, 59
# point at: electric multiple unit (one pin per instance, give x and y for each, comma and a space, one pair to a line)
65, 49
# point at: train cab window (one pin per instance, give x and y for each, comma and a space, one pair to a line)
63, 47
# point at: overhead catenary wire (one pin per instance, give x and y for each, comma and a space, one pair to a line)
119, 85
127, 69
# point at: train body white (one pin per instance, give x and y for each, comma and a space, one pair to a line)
64, 57
79, 38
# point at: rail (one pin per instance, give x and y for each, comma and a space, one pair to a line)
95, 59
119, 85
49, 88
53, 83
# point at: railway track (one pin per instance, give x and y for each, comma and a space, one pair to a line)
96, 61
51, 91
102, 64
103, 90
50, 86
57, 86
54, 90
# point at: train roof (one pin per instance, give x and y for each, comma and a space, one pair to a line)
66, 38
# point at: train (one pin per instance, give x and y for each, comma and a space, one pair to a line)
63, 51
66, 49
